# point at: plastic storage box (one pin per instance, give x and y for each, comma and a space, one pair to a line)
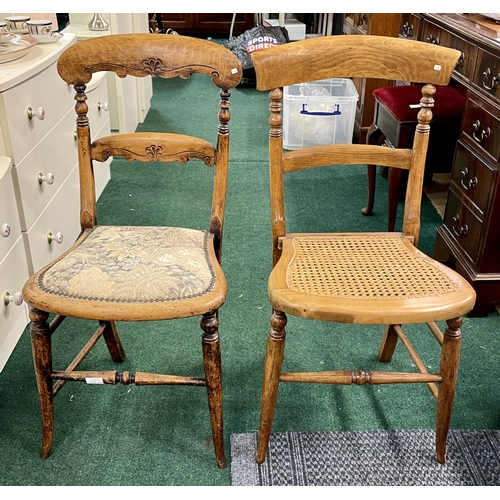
319, 113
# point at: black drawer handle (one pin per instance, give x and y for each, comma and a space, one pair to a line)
484, 133
472, 182
408, 30
461, 59
431, 39
495, 80
463, 229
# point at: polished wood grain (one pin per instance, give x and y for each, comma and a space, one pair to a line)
359, 278
139, 55
142, 55
353, 56
345, 154
148, 147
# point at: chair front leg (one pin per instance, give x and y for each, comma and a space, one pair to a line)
213, 378
272, 370
42, 359
450, 357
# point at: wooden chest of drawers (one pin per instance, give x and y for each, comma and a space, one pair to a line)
470, 236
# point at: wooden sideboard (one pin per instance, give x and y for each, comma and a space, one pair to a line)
469, 238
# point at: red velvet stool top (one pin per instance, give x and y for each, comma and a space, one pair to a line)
449, 105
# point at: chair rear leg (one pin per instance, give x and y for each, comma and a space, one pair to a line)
388, 344
213, 378
42, 359
113, 341
450, 356
272, 370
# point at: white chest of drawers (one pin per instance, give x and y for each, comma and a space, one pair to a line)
43, 177
13, 266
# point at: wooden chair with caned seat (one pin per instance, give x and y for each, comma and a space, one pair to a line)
359, 278
142, 273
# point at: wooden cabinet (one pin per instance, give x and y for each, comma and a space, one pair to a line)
470, 236
206, 25
369, 24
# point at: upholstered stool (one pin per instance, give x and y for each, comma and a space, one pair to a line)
395, 120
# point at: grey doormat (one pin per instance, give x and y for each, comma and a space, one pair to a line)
367, 458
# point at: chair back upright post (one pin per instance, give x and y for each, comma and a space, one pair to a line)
411, 215
221, 171
351, 56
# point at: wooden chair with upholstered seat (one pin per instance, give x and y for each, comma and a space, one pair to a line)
359, 278
143, 273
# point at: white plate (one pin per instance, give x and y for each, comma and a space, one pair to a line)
15, 47
50, 39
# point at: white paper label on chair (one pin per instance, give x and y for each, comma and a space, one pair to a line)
234, 70
437, 67
94, 380
415, 106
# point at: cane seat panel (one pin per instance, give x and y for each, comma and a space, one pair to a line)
382, 272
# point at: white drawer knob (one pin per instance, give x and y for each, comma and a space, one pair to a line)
16, 299
38, 113
58, 237
48, 178
5, 230
104, 106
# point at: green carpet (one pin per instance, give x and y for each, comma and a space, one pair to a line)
127, 435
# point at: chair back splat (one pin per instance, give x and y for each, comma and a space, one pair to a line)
137, 273
359, 278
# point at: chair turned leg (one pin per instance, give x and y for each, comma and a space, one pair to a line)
393, 196
450, 357
373, 137
272, 369
213, 378
42, 359
388, 344
113, 341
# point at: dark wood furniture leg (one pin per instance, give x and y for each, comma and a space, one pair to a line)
373, 137
393, 196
